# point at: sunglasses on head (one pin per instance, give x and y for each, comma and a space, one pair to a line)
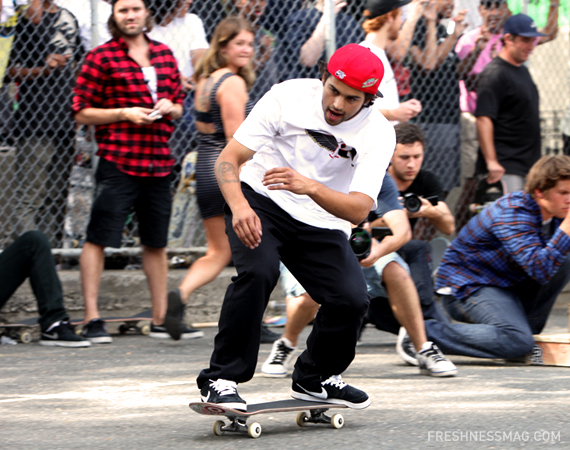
488, 4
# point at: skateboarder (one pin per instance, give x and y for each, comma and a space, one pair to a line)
316, 155
30, 257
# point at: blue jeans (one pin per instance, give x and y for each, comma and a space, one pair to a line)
500, 322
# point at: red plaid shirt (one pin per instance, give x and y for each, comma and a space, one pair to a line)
112, 79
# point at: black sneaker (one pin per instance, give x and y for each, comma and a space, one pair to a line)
268, 336
405, 348
63, 335
223, 393
332, 390
174, 315
160, 332
96, 332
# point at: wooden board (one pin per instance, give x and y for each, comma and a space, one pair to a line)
555, 350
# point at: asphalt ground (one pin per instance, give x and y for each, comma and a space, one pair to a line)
134, 394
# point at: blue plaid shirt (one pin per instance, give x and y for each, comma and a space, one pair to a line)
502, 246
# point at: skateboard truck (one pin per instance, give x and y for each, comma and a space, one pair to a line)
319, 416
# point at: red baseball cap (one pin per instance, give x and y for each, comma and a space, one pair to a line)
357, 67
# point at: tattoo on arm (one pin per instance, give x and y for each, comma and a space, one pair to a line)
205, 93
227, 173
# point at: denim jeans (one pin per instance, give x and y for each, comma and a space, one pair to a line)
500, 322
30, 257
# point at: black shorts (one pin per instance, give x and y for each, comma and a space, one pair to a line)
117, 194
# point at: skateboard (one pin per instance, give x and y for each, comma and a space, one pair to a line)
486, 193
185, 228
128, 323
21, 331
238, 418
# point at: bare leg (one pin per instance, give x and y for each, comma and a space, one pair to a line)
91, 263
300, 311
405, 302
155, 266
209, 266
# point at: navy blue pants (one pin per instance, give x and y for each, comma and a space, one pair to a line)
323, 262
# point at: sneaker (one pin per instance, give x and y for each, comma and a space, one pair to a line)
432, 362
63, 335
277, 363
161, 332
405, 348
223, 393
332, 390
174, 315
268, 336
96, 332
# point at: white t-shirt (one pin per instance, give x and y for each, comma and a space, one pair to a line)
287, 128
388, 86
149, 74
182, 35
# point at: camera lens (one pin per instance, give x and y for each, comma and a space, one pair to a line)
360, 242
412, 203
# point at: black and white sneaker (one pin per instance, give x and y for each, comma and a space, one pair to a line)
223, 393
174, 315
63, 335
160, 332
332, 390
405, 348
96, 332
277, 364
432, 362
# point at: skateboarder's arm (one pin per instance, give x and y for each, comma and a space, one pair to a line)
245, 222
353, 206
485, 131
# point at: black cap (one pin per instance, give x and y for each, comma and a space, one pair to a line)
375, 8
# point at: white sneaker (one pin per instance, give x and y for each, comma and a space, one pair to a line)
405, 348
432, 362
277, 364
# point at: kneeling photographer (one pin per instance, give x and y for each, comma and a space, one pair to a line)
421, 194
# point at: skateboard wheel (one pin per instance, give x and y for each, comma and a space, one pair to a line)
25, 337
337, 421
302, 419
254, 430
217, 428
145, 330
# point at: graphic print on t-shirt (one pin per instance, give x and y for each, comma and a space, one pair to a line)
328, 141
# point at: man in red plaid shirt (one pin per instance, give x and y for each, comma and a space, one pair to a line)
130, 89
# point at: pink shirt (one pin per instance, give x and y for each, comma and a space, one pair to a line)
468, 99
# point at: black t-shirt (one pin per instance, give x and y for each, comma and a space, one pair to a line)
507, 95
44, 103
425, 185
438, 89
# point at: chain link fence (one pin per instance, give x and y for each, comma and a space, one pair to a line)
47, 163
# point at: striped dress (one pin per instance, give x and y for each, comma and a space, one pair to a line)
210, 198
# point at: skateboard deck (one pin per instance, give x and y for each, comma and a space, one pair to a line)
185, 226
486, 193
129, 323
20, 331
238, 418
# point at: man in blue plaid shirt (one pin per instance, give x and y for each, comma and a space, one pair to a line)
505, 269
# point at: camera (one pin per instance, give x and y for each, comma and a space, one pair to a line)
361, 240
413, 202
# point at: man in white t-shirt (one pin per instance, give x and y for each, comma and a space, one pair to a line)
315, 155
382, 23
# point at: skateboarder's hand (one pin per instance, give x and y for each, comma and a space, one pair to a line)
247, 226
496, 171
287, 179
